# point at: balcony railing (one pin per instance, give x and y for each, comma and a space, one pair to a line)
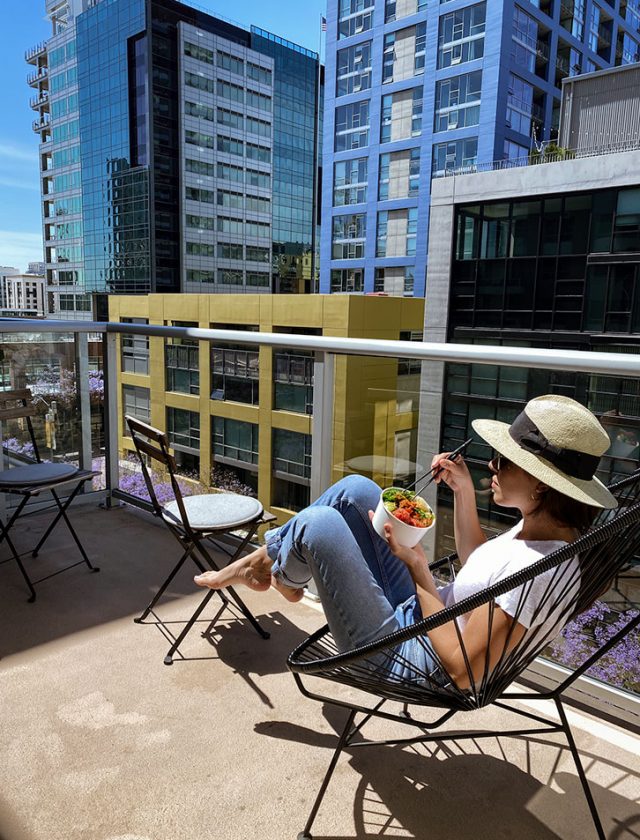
32, 55
38, 101
98, 400
36, 77
42, 123
527, 160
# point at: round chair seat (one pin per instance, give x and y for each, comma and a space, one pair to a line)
215, 511
33, 474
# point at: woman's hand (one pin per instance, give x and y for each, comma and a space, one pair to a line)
413, 558
455, 474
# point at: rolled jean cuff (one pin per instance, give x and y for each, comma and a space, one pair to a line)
272, 542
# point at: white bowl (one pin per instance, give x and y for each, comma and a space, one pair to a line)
406, 535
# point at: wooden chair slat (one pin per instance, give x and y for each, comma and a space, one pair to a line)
17, 394
17, 412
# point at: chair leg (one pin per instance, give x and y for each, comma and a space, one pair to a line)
168, 660
4, 535
244, 609
63, 514
305, 834
164, 586
583, 776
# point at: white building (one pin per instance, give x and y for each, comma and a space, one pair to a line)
22, 295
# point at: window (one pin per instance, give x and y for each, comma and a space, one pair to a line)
230, 146
200, 167
349, 234
354, 16
230, 277
353, 72
292, 453
182, 366
513, 151
524, 47
183, 429
135, 349
352, 126
461, 36
457, 154
226, 224
201, 223
229, 251
401, 115
235, 441
198, 52
258, 278
195, 194
458, 102
626, 232
259, 127
232, 200
404, 53
226, 90
395, 280
256, 204
231, 63
200, 82
293, 381
254, 178
230, 119
350, 182
397, 233
196, 276
260, 101
399, 174
347, 280
522, 110
196, 138
407, 7
227, 172
200, 249
257, 254
235, 374
197, 109
262, 75
259, 153
261, 230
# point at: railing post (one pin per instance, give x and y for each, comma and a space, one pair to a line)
84, 398
112, 473
322, 424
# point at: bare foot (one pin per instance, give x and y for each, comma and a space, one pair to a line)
253, 571
291, 594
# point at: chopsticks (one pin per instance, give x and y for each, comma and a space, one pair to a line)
452, 457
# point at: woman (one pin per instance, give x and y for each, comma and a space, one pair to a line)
370, 586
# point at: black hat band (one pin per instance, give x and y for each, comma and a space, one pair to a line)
529, 437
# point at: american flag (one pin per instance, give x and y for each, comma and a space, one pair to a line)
323, 24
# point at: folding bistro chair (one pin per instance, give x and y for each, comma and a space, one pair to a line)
32, 479
194, 520
613, 539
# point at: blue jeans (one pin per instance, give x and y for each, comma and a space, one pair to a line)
365, 590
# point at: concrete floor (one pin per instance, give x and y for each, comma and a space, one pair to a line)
101, 741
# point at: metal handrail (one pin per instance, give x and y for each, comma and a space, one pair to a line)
567, 154
610, 364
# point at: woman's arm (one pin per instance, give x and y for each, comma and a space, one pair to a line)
467, 530
488, 628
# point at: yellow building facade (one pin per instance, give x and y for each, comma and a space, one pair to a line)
250, 411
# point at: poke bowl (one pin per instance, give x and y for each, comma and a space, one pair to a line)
409, 514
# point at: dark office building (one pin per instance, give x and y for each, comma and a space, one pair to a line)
179, 153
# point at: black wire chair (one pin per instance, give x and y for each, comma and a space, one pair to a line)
568, 589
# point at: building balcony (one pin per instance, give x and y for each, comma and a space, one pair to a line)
42, 124
34, 79
562, 66
97, 728
33, 55
37, 102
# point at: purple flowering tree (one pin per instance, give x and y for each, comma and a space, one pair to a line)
595, 626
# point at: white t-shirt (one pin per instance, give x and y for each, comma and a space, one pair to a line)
503, 556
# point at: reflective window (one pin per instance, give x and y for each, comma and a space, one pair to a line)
454, 155
353, 71
349, 234
354, 16
350, 182
352, 126
347, 280
461, 36
458, 101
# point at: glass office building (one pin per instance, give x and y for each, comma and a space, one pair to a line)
179, 152
413, 91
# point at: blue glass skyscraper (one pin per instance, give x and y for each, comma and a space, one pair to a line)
415, 88
179, 152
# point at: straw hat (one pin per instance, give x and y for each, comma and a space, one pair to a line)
558, 441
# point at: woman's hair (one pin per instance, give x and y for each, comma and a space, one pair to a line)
566, 511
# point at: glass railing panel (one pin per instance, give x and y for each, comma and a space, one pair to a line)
67, 388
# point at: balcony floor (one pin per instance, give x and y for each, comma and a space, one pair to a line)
101, 741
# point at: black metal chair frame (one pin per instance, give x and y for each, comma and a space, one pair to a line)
318, 656
154, 444
24, 409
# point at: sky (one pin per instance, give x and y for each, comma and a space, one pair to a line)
26, 26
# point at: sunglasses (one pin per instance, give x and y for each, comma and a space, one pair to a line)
499, 462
